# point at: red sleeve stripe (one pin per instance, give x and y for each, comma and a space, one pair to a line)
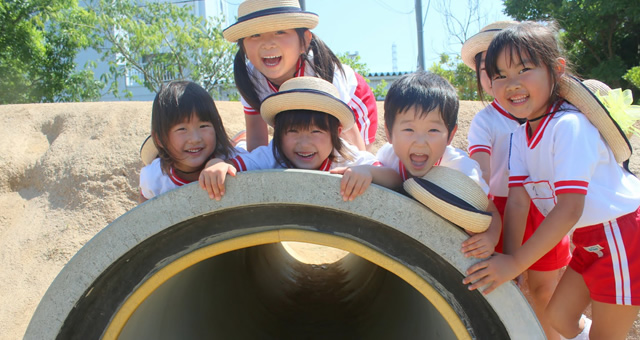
516, 181
248, 110
479, 148
377, 164
571, 187
239, 163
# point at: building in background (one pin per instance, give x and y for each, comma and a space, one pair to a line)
202, 8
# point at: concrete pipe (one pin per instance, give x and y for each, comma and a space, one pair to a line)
182, 266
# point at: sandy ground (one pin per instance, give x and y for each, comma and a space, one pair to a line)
67, 171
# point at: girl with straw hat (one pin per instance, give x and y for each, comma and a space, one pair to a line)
307, 117
275, 44
488, 136
565, 158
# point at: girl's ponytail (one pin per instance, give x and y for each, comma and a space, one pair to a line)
324, 60
243, 81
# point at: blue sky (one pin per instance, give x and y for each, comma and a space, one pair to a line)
371, 27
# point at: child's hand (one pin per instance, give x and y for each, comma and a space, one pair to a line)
213, 175
355, 180
491, 273
479, 246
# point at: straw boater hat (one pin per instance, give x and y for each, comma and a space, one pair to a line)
261, 16
480, 42
452, 195
148, 151
307, 93
581, 95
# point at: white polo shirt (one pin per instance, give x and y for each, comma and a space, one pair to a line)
567, 154
490, 132
263, 158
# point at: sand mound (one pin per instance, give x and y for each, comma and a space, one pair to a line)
67, 171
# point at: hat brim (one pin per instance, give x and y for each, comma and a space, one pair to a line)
447, 205
575, 92
148, 151
306, 99
476, 44
270, 23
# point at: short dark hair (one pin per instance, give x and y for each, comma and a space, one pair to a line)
426, 91
534, 40
303, 120
177, 102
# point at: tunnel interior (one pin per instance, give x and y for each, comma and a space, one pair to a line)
263, 292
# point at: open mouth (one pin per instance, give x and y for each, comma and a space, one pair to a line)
306, 155
194, 150
418, 160
519, 99
271, 61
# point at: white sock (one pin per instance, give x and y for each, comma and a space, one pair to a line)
584, 335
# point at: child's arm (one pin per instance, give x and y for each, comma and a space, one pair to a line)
257, 132
515, 219
501, 268
141, 199
484, 160
482, 245
356, 179
212, 177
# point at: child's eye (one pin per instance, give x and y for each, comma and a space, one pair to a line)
407, 130
498, 76
434, 130
525, 69
206, 125
317, 131
254, 36
281, 32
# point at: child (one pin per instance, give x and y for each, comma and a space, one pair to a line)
186, 132
307, 117
560, 160
489, 136
420, 114
275, 44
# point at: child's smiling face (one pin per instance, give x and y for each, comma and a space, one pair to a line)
275, 54
191, 143
419, 140
307, 149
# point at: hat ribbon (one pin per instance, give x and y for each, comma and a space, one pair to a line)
269, 11
619, 105
448, 197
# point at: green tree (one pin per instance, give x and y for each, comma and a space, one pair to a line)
37, 50
458, 74
601, 37
354, 61
157, 42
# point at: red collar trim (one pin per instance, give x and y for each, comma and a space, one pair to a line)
533, 140
298, 73
403, 171
326, 165
502, 111
175, 179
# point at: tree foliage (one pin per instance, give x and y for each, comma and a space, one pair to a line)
354, 61
601, 37
458, 74
152, 43
38, 45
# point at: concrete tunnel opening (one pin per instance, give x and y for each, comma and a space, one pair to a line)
206, 269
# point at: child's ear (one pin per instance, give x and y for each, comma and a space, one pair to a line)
307, 40
387, 134
156, 140
339, 129
560, 66
453, 133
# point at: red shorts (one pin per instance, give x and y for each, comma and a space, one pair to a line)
608, 258
556, 258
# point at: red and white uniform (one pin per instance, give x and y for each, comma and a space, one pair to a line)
567, 154
353, 89
154, 182
263, 158
490, 132
452, 158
